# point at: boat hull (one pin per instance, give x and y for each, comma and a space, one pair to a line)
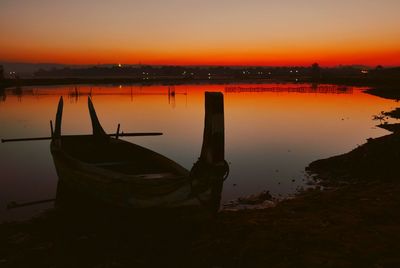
169, 186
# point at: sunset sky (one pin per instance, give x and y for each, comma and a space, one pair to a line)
207, 32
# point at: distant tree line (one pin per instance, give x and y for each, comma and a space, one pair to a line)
147, 72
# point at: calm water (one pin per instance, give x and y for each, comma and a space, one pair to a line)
273, 131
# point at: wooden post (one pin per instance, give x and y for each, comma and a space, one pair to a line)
211, 166
213, 149
51, 129
117, 134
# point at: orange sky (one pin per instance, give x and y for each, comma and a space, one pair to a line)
207, 32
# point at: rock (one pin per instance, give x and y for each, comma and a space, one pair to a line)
268, 204
255, 199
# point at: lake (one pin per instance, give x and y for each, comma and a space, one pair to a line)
272, 131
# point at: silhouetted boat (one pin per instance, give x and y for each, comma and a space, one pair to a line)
116, 172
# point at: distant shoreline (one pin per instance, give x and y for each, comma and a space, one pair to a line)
370, 82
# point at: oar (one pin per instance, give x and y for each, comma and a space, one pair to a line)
138, 134
13, 205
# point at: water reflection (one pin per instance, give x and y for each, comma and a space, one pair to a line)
2, 94
271, 134
313, 88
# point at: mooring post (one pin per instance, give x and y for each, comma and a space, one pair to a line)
117, 134
51, 129
213, 149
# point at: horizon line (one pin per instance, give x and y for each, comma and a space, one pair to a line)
197, 65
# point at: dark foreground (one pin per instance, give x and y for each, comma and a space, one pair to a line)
354, 222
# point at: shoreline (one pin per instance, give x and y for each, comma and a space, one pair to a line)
358, 81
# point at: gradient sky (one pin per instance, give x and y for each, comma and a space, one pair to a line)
228, 32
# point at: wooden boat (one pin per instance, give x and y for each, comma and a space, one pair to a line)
115, 172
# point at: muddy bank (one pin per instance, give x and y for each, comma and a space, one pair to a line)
350, 227
376, 160
388, 92
391, 127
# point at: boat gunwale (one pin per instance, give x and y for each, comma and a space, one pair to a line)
114, 176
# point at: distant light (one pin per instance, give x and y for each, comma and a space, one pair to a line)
119, 65
120, 86
291, 71
364, 71
297, 71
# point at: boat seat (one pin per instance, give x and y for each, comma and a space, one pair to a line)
156, 175
106, 164
132, 169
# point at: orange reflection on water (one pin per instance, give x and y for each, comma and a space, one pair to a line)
276, 110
